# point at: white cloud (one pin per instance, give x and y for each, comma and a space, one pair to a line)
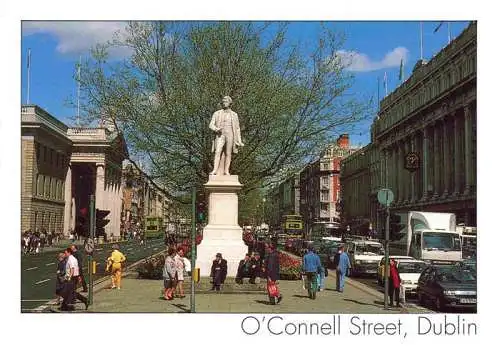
360, 62
76, 37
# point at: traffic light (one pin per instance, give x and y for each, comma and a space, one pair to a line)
201, 212
100, 221
82, 223
395, 226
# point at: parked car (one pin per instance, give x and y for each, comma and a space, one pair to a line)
448, 285
365, 256
409, 272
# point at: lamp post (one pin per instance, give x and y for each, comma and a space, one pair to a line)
263, 207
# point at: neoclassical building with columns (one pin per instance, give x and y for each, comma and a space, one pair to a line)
62, 166
431, 115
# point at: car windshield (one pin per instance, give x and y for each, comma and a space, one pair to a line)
411, 267
457, 274
367, 249
441, 241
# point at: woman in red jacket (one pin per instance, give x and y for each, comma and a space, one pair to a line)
394, 282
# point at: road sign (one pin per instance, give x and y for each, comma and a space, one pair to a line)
385, 196
89, 246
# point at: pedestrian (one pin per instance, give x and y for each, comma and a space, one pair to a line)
218, 272
60, 277
255, 268
394, 283
169, 275
311, 265
243, 269
180, 267
72, 275
114, 264
272, 271
342, 268
79, 257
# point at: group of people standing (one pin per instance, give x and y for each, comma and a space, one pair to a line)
34, 242
175, 268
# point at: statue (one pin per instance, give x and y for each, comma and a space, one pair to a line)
226, 126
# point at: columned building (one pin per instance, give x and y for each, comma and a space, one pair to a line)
62, 167
430, 120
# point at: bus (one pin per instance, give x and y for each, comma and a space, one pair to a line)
323, 229
293, 226
154, 227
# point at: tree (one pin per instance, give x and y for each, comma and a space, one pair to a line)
291, 101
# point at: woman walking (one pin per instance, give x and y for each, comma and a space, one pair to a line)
180, 269
115, 266
394, 283
169, 275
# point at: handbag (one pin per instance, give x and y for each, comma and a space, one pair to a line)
272, 289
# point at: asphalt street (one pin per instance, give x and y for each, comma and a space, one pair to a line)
38, 272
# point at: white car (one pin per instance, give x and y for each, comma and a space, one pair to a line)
409, 272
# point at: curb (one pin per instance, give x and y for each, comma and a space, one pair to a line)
98, 284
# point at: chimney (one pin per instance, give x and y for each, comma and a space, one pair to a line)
343, 141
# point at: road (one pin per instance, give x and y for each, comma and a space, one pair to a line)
410, 300
38, 272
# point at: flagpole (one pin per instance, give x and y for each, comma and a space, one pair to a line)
78, 95
449, 33
29, 70
421, 41
378, 93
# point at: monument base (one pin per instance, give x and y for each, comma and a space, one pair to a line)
226, 240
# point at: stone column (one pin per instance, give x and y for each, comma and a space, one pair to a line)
413, 141
437, 166
446, 158
407, 174
400, 171
456, 154
68, 201
99, 186
425, 151
468, 152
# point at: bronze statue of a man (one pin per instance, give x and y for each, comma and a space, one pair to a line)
226, 126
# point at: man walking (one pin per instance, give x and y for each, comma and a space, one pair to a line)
311, 265
72, 276
79, 257
272, 270
342, 266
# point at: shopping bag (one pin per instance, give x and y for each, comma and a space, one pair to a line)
272, 289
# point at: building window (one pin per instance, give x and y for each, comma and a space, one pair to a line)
37, 149
53, 188
39, 185
324, 181
325, 196
46, 187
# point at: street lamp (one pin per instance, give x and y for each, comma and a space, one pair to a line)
263, 206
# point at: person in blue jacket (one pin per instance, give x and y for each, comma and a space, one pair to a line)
311, 266
342, 268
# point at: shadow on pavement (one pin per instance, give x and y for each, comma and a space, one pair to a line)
374, 304
300, 296
182, 307
264, 302
328, 289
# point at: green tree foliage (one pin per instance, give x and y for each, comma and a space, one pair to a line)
291, 100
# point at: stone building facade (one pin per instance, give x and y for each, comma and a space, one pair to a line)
432, 115
61, 168
314, 192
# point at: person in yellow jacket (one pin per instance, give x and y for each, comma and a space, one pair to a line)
114, 264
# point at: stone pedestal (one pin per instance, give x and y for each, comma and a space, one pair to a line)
222, 234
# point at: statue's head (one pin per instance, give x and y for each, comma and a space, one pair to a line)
226, 101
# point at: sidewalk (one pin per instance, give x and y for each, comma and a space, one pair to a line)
145, 296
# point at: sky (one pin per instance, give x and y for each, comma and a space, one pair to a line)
372, 47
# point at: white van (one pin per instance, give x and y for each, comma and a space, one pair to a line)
365, 256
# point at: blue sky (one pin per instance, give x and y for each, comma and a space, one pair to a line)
374, 48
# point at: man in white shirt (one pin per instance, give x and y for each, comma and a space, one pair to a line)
72, 275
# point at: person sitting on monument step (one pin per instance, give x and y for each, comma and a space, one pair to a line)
256, 270
243, 269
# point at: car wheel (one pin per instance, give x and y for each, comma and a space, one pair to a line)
421, 299
439, 304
